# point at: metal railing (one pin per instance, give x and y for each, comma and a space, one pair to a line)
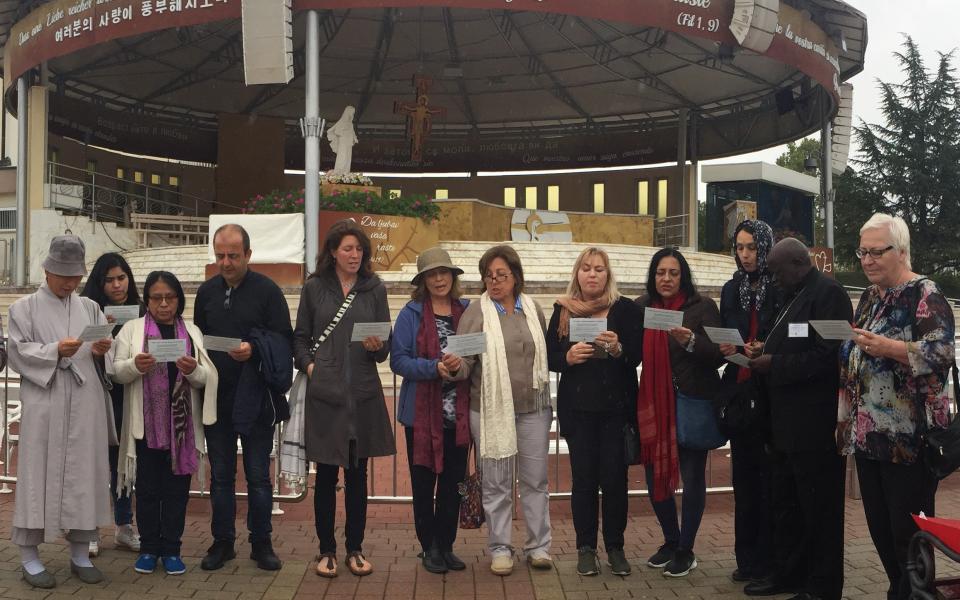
671, 231
105, 198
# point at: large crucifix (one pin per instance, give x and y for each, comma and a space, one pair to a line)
419, 116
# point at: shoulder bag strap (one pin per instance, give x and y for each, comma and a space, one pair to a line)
333, 323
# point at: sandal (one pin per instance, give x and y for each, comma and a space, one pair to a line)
327, 565
358, 564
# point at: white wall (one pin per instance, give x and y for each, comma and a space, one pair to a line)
45, 224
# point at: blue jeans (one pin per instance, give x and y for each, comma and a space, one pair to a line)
222, 451
693, 466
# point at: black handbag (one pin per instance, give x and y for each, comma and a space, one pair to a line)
941, 445
740, 407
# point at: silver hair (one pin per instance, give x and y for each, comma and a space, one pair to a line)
897, 228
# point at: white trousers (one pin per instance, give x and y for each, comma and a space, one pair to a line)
533, 430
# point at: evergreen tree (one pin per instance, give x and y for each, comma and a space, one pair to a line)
910, 165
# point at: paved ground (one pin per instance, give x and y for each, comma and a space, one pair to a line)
391, 546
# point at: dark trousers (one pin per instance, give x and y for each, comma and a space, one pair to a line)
693, 467
161, 502
595, 441
808, 521
222, 450
753, 515
891, 492
436, 496
325, 505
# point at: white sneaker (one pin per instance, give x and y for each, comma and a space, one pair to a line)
127, 538
95, 548
502, 564
539, 559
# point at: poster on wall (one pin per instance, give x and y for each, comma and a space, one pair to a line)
540, 226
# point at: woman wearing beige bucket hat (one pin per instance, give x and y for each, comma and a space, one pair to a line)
433, 409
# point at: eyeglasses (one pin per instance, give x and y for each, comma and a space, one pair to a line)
498, 278
163, 298
226, 299
873, 252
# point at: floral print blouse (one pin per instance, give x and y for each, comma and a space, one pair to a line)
880, 397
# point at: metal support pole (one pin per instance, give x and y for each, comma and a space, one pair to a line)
20, 273
683, 116
312, 128
695, 168
826, 175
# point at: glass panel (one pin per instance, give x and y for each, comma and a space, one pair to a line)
662, 199
510, 196
530, 198
643, 197
553, 197
598, 197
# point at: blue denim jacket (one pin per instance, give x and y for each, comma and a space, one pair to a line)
404, 359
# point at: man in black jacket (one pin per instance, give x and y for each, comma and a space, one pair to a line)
233, 304
800, 374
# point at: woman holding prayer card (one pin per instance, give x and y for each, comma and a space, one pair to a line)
746, 303
346, 416
894, 378
434, 410
596, 398
674, 409
166, 406
111, 283
510, 410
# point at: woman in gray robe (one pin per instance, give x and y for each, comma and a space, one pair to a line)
63, 476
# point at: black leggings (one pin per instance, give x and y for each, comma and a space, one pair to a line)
436, 497
325, 505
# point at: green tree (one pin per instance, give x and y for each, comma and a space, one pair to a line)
910, 164
795, 159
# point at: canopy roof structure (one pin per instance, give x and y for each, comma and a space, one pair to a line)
515, 84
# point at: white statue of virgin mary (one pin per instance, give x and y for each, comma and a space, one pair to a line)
342, 139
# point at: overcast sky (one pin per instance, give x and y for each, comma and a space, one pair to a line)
929, 22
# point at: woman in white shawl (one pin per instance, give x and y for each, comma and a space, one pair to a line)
342, 139
510, 410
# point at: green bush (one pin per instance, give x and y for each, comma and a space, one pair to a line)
292, 201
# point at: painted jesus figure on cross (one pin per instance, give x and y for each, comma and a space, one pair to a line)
419, 116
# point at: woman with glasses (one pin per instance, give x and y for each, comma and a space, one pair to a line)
747, 302
679, 371
433, 409
596, 397
893, 379
111, 283
167, 401
346, 416
510, 408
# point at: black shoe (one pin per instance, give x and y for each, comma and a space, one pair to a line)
683, 562
742, 576
767, 586
433, 561
662, 557
587, 563
453, 562
263, 553
804, 596
217, 554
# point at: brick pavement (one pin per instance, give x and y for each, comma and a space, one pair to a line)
391, 546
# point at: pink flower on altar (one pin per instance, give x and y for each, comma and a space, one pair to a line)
259, 197
276, 205
416, 204
299, 200
335, 193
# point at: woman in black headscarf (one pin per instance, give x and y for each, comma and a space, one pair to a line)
746, 303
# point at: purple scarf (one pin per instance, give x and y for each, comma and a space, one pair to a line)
166, 415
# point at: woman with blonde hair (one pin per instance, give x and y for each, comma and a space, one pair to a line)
510, 411
596, 398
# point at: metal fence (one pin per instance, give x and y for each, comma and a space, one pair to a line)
105, 198
671, 231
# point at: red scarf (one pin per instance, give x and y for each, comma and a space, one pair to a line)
428, 407
657, 408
